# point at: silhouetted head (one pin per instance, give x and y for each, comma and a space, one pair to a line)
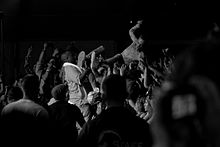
70, 54
30, 86
113, 88
14, 94
59, 92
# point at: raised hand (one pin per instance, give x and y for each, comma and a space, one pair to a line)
123, 69
55, 52
48, 45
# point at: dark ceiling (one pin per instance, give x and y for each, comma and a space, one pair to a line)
106, 19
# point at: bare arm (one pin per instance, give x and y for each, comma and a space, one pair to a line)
132, 31
39, 65
27, 65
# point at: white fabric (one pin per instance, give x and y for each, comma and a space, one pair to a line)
77, 93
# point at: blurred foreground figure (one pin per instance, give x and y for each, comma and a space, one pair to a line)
188, 107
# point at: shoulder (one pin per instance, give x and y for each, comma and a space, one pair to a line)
41, 110
8, 108
36, 109
67, 64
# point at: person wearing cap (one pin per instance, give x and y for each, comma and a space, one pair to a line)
64, 116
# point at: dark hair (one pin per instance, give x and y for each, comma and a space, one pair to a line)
14, 93
59, 92
114, 87
30, 84
68, 56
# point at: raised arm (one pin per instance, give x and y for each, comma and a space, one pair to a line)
27, 66
40, 63
134, 38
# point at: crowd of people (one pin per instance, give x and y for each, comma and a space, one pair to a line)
79, 99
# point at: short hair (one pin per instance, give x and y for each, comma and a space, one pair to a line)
59, 92
30, 84
68, 56
114, 87
14, 93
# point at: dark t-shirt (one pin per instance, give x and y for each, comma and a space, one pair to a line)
24, 123
64, 117
115, 126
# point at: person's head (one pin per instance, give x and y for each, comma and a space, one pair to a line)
113, 88
30, 86
68, 56
59, 92
15, 93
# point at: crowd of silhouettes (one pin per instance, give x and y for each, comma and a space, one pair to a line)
78, 99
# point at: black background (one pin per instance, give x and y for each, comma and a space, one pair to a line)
106, 19
173, 24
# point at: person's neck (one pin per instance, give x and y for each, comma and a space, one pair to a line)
27, 97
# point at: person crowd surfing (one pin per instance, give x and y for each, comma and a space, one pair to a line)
74, 98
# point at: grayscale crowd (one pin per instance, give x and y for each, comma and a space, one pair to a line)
82, 99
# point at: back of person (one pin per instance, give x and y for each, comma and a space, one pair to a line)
64, 117
24, 116
119, 127
24, 122
115, 126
